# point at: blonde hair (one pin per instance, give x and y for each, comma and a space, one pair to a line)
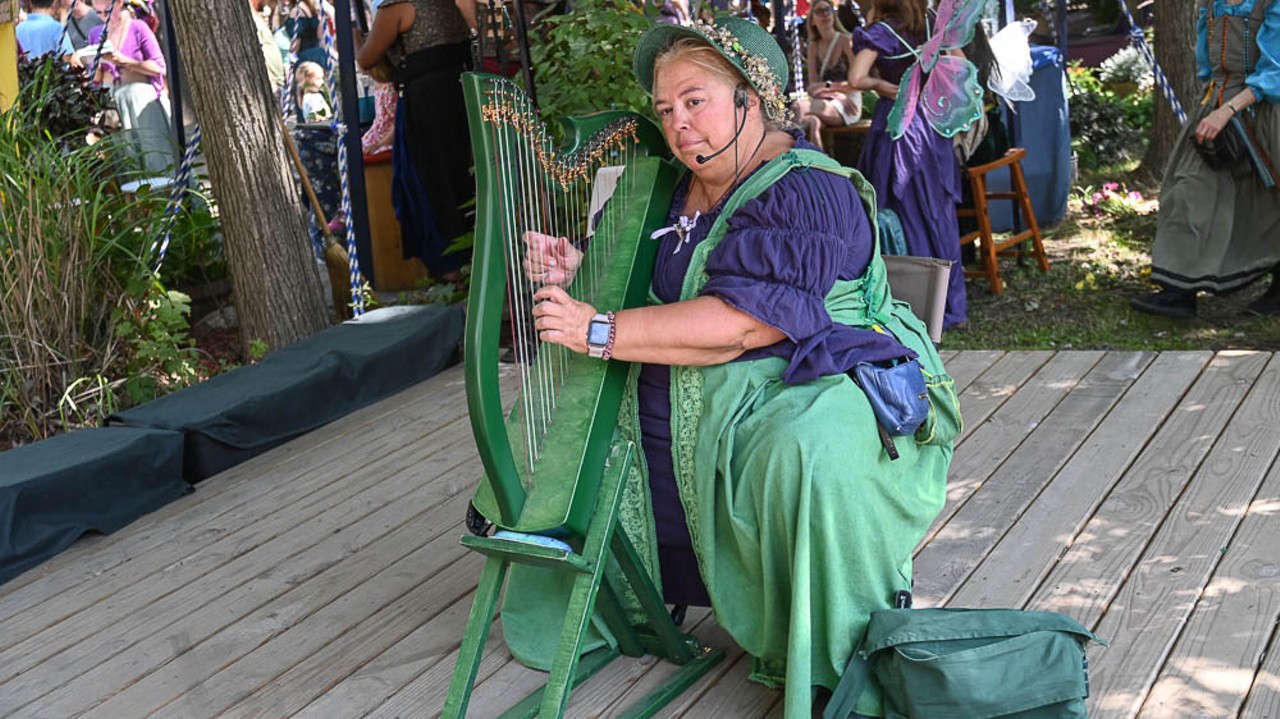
307, 77
702, 55
836, 26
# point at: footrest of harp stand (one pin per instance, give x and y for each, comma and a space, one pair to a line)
524, 552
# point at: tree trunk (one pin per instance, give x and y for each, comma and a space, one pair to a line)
277, 291
1175, 41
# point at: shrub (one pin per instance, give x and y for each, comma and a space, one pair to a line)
1106, 127
75, 255
1127, 68
583, 59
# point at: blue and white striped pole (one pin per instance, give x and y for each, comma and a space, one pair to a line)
180, 183
1140, 41
339, 129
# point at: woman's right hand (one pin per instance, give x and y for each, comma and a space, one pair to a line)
550, 260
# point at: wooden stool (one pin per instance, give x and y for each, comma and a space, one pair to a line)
988, 247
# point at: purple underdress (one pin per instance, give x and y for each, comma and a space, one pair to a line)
917, 175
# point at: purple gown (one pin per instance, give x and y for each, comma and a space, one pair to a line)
780, 256
917, 175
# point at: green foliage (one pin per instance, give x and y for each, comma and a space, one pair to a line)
71, 106
1106, 126
258, 348
75, 255
583, 59
195, 255
161, 358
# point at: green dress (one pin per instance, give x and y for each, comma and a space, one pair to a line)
800, 534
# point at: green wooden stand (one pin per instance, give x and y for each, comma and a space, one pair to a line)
657, 635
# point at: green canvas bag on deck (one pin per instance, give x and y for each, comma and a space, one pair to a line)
970, 664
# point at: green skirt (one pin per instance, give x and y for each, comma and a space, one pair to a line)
1218, 230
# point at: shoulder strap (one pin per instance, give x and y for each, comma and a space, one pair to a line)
852, 682
826, 59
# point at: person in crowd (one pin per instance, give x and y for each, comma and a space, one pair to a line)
832, 100
135, 71
80, 20
308, 85
769, 491
303, 26
428, 43
382, 132
1219, 230
41, 32
916, 176
270, 54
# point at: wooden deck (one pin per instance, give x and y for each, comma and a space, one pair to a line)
1137, 492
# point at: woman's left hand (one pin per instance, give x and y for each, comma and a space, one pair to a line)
1212, 124
560, 319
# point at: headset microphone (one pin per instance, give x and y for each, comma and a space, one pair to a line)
739, 101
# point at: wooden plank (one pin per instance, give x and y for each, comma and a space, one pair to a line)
983, 520
984, 395
1010, 573
965, 367
1264, 696
1211, 668
190, 684
1088, 575
425, 694
997, 438
1151, 612
734, 695
87, 560
371, 683
1146, 616
137, 622
185, 526
326, 646
207, 556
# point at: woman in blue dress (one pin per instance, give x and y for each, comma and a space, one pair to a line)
765, 491
917, 175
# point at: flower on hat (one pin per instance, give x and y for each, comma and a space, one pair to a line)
756, 67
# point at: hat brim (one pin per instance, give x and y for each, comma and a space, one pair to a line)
654, 41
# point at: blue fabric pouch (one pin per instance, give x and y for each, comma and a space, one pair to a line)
896, 392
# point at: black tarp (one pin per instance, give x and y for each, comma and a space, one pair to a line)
99, 479
242, 413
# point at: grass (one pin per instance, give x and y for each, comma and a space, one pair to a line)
1096, 264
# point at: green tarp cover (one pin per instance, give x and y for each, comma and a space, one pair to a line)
100, 479
242, 413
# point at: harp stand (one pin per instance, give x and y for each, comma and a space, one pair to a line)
591, 591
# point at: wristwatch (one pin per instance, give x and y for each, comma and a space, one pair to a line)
600, 335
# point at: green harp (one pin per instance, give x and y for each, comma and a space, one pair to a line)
553, 466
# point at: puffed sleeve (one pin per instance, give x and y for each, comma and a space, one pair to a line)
878, 37
1265, 78
781, 256
1204, 70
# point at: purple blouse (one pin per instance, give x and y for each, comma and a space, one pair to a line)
139, 44
895, 57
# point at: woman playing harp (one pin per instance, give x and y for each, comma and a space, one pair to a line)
766, 486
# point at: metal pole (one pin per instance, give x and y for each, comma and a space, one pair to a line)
174, 65
351, 118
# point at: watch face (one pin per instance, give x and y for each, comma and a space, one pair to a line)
598, 333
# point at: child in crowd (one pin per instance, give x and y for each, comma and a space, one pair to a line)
308, 83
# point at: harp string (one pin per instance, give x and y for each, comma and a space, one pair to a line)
545, 192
